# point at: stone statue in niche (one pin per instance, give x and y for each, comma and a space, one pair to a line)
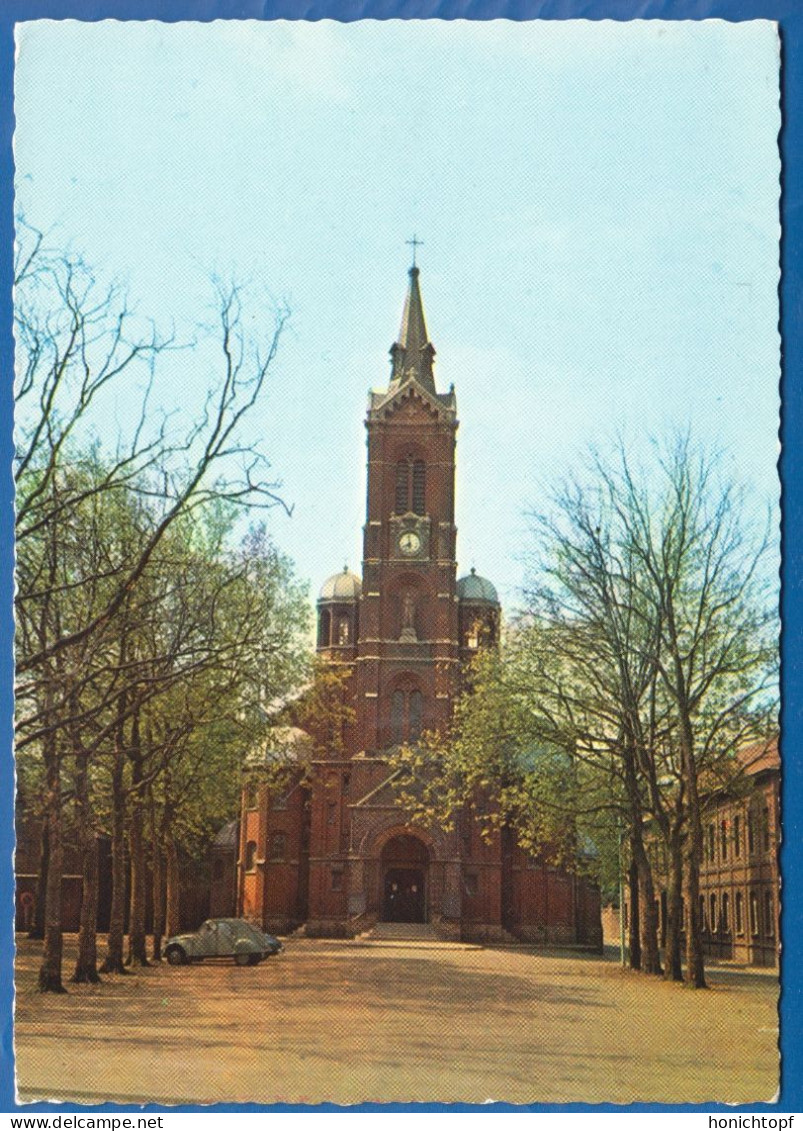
408, 618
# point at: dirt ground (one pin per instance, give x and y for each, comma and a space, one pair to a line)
346, 1023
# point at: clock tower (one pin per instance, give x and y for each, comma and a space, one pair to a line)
336, 851
409, 647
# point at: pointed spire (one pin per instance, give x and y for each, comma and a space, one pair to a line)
412, 354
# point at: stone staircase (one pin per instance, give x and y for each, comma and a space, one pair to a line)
401, 932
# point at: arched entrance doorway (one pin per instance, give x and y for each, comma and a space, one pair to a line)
404, 867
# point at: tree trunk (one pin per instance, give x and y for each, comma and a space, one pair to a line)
648, 918
650, 954
50, 970
113, 962
158, 885
695, 958
37, 930
86, 967
673, 968
137, 954
173, 911
634, 926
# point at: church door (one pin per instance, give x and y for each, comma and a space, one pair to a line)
405, 862
404, 896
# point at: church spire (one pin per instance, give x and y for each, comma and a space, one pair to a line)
412, 354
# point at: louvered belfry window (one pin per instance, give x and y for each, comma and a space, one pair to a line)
419, 479
411, 479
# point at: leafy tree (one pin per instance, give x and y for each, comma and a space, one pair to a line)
82, 581
663, 639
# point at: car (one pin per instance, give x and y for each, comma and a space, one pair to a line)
222, 938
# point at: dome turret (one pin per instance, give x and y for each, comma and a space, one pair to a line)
474, 588
338, 616
340, 587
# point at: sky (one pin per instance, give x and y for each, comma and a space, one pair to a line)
597, 201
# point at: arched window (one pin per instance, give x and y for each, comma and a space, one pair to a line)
411, 477
416, 709
419, 487
324, 628
726, 912
397, 718
753, 913
769, 918
406, 716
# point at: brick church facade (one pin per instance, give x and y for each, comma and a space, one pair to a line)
334, 852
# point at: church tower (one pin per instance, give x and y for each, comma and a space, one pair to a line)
335, 851
408, 645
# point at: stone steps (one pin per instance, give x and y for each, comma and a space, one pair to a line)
401, 932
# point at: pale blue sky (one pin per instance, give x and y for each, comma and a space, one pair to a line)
598, 204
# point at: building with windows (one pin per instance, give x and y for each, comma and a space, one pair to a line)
740, 869
740, 878
334, 851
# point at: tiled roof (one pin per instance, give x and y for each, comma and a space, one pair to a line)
760, 756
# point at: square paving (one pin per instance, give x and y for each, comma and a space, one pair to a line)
349, 1023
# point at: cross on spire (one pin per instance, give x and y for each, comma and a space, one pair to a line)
414, 243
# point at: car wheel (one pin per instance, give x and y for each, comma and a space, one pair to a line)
176, 956
254, 960
243, 959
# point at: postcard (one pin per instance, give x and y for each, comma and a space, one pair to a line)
397, 557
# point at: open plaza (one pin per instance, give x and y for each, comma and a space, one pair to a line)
341, 1022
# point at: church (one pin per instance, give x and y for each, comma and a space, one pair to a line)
333, 853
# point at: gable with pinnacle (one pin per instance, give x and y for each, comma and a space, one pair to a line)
383, 406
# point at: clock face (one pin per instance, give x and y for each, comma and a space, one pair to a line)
409, 542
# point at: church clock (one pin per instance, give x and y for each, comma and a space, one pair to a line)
409, 543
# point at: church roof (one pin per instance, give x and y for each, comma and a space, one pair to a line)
472, 587
281, 744
412, 356
228, 836
343, 586
413, 353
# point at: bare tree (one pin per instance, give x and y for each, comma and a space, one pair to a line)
76, 340
663, 633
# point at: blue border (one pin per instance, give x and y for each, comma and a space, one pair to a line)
789, 14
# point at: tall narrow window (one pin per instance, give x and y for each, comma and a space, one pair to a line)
765, 828
726, 913
769, 918
751, 833
737, 836
753, 913
406, 716
250, 855
724, 840
739, 913
713, 904
411, 479
712, 843
397, 718
416, 706
324, 628
402, 486
419, 486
